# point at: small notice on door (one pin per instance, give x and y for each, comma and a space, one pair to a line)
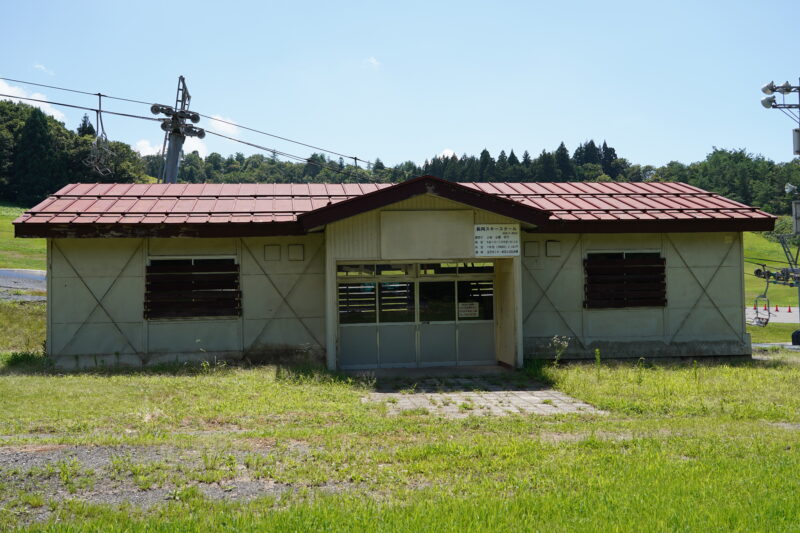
496, 240
467, 309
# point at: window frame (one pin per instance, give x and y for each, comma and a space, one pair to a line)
628, 282
221, 302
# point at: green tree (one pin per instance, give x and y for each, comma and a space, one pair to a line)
501, 167
38, 165
608, 158
526, 159
192, 169
587, 152
544, 167
85, 127
565, 170
486, 166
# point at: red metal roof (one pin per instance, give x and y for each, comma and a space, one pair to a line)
564, 204
622, 201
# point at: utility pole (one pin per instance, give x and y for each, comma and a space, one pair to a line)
792, 275
176, 130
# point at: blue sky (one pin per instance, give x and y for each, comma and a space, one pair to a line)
408, 80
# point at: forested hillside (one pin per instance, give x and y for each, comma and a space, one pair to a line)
38, 155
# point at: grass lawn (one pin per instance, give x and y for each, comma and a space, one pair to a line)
19, 253
23, 326
688, 447
773, 332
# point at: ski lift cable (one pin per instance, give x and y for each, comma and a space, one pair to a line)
117, 113
286, 154
209, 117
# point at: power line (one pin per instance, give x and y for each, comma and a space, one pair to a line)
96, 110
283, 138
77, 91
285, 154
209, 117
254, 145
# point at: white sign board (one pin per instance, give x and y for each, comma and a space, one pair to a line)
467, 309
496, 240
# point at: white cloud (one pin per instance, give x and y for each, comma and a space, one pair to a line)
144, 147
372, 62
18, 92
222, 127
42, 68
193, 143
447, 152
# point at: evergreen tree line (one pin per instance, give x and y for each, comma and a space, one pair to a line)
39, 155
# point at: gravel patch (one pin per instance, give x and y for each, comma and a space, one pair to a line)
38, 469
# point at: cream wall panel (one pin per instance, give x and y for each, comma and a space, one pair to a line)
439, 234
193, 246
78, 266
548, 323
96, 257
96, 339
267, 320
305, 294
282, 331
683, 289
194, 335
702, 249
611, 324
313, 262
704, 324
703, 253
73, 302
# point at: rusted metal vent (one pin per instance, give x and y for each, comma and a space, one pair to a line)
192, 288
625, 279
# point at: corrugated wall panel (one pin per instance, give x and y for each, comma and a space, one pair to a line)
358, 237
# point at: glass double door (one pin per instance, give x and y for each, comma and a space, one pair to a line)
419, 323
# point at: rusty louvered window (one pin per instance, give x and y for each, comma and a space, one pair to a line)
192, 288
624, 279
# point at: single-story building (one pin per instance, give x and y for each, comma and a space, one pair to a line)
421, 273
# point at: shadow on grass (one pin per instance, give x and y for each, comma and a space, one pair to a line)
35, 363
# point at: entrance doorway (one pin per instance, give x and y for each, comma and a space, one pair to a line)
416, 314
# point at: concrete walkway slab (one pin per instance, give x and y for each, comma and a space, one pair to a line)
497, 395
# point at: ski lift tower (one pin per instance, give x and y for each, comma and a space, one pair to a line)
176, 129
793, 112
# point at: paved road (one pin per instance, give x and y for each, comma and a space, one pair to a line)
12, 281
782, 316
